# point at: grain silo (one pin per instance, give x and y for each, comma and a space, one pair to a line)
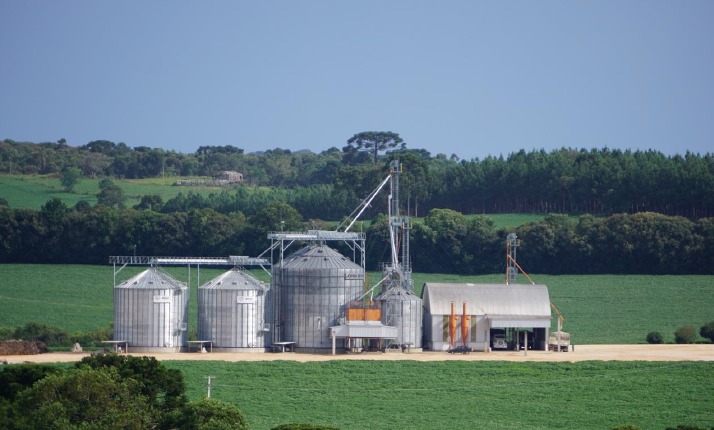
401, 308
231, 312
151, 312
314, 286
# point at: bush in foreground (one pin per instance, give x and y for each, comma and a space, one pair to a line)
107, 392
207, 414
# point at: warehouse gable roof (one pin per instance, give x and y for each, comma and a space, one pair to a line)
493, 300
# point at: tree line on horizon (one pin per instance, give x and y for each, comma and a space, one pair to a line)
601, 182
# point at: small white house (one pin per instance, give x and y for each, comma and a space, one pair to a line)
517, 311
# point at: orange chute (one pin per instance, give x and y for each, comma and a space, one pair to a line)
452, 327
464, 326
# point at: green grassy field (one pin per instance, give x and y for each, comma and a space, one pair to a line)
33, 191
448, 395
598, 309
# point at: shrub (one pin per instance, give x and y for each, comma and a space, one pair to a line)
654, 337
626, 427
6, 333
707, 331
51, 336
685, 334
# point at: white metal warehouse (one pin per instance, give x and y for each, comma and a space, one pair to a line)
492, 308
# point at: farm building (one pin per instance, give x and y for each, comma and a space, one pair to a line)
222, 179
229, 177
508, 313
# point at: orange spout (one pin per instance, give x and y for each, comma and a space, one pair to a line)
452, 327
464, 326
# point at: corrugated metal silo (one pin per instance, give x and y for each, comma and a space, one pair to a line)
151, 312
315, 284
402, 308
231, 312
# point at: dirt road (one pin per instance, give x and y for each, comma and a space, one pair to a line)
697, 352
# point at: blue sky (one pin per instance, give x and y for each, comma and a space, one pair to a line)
469, 78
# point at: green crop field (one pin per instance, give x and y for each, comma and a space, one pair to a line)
355, 394
598, 309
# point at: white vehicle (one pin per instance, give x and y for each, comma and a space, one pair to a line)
559, 341
499, 341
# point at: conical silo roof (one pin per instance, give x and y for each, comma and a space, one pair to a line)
318, 257
235, 279
151, 279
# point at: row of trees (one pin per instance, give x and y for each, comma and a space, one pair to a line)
445, 241
598, 181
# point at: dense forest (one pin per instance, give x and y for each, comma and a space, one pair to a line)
609, 211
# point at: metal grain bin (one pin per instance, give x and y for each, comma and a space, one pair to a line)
231, 312
151, 312
402, 308
314, 286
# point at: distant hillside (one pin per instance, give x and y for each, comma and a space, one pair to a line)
573, 181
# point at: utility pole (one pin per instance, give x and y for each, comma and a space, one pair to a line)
208, 395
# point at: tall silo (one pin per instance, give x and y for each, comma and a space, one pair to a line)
401, 308
151, 312
231, 312
314, 285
